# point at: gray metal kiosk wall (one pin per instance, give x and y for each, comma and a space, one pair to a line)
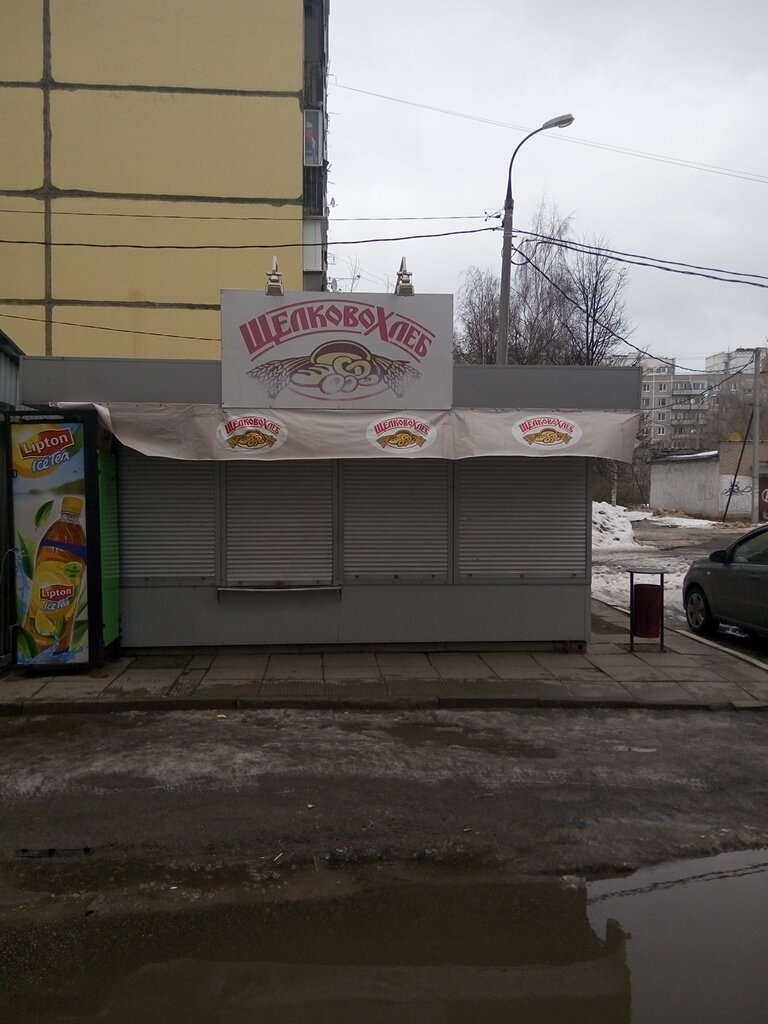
439, 552
351, 552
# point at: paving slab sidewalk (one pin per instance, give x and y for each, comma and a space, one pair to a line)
688, 673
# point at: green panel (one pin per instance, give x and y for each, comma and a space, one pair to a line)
110, 556
7, 597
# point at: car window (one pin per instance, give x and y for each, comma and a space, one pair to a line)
753, 550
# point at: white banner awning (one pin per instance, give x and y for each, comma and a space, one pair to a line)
210, 432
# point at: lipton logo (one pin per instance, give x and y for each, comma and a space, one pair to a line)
546, 431
401, 434
58, 592
254, 434
46, 442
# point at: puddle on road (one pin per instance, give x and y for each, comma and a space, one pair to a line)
423, 946
699, 937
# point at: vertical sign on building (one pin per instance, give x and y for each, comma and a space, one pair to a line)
51, 554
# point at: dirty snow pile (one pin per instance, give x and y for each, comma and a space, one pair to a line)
615, 551
611, 526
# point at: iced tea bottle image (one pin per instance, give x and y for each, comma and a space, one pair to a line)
59, 570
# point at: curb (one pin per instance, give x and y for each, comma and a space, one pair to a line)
334, 703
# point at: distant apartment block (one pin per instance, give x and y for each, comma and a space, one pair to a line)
680, 408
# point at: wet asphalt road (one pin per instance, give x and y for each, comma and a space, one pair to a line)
236, 867
539, 791
155, 866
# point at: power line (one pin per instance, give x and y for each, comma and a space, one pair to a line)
631, 259
601, 250
252, 245
275, 220
650, 262
694, 165
637, 348
117, 330
668, 266
599, 323
671, 883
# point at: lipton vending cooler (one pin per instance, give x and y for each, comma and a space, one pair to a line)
64, 511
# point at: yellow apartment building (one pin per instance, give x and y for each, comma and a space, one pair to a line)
155, 152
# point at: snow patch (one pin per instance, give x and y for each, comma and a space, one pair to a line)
612, 530
694, 524
611, 527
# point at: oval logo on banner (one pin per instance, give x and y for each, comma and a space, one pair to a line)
398, 435
546, 432
253, 435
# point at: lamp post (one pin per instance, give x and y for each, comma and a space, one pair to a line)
506, 252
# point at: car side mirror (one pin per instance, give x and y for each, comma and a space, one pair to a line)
719, 556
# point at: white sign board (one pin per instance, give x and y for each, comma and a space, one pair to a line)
313, 350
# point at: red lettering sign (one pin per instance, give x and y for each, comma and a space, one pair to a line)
305, 318
46, 442
58, 592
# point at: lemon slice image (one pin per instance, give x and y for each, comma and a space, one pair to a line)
50, 574
44, 626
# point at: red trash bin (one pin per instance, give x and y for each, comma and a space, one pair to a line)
648, 604
646, 607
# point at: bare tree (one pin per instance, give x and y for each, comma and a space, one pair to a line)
566, 302
539, 307
477, 318
597, 322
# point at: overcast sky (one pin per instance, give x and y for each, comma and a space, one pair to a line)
680, 80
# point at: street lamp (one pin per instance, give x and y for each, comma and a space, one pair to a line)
506, 252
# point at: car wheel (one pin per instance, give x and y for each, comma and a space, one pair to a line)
700, 618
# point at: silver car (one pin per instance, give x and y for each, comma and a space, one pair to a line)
730, 587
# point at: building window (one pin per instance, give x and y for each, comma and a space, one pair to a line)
661, 416
662, 402
660, 431
663, 387
646, 387
313, 140
646, 403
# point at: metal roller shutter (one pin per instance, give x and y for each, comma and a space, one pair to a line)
396, 520
522, 517
166, 519
279, 524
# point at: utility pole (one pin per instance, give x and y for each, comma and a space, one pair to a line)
502, 343
756, 437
